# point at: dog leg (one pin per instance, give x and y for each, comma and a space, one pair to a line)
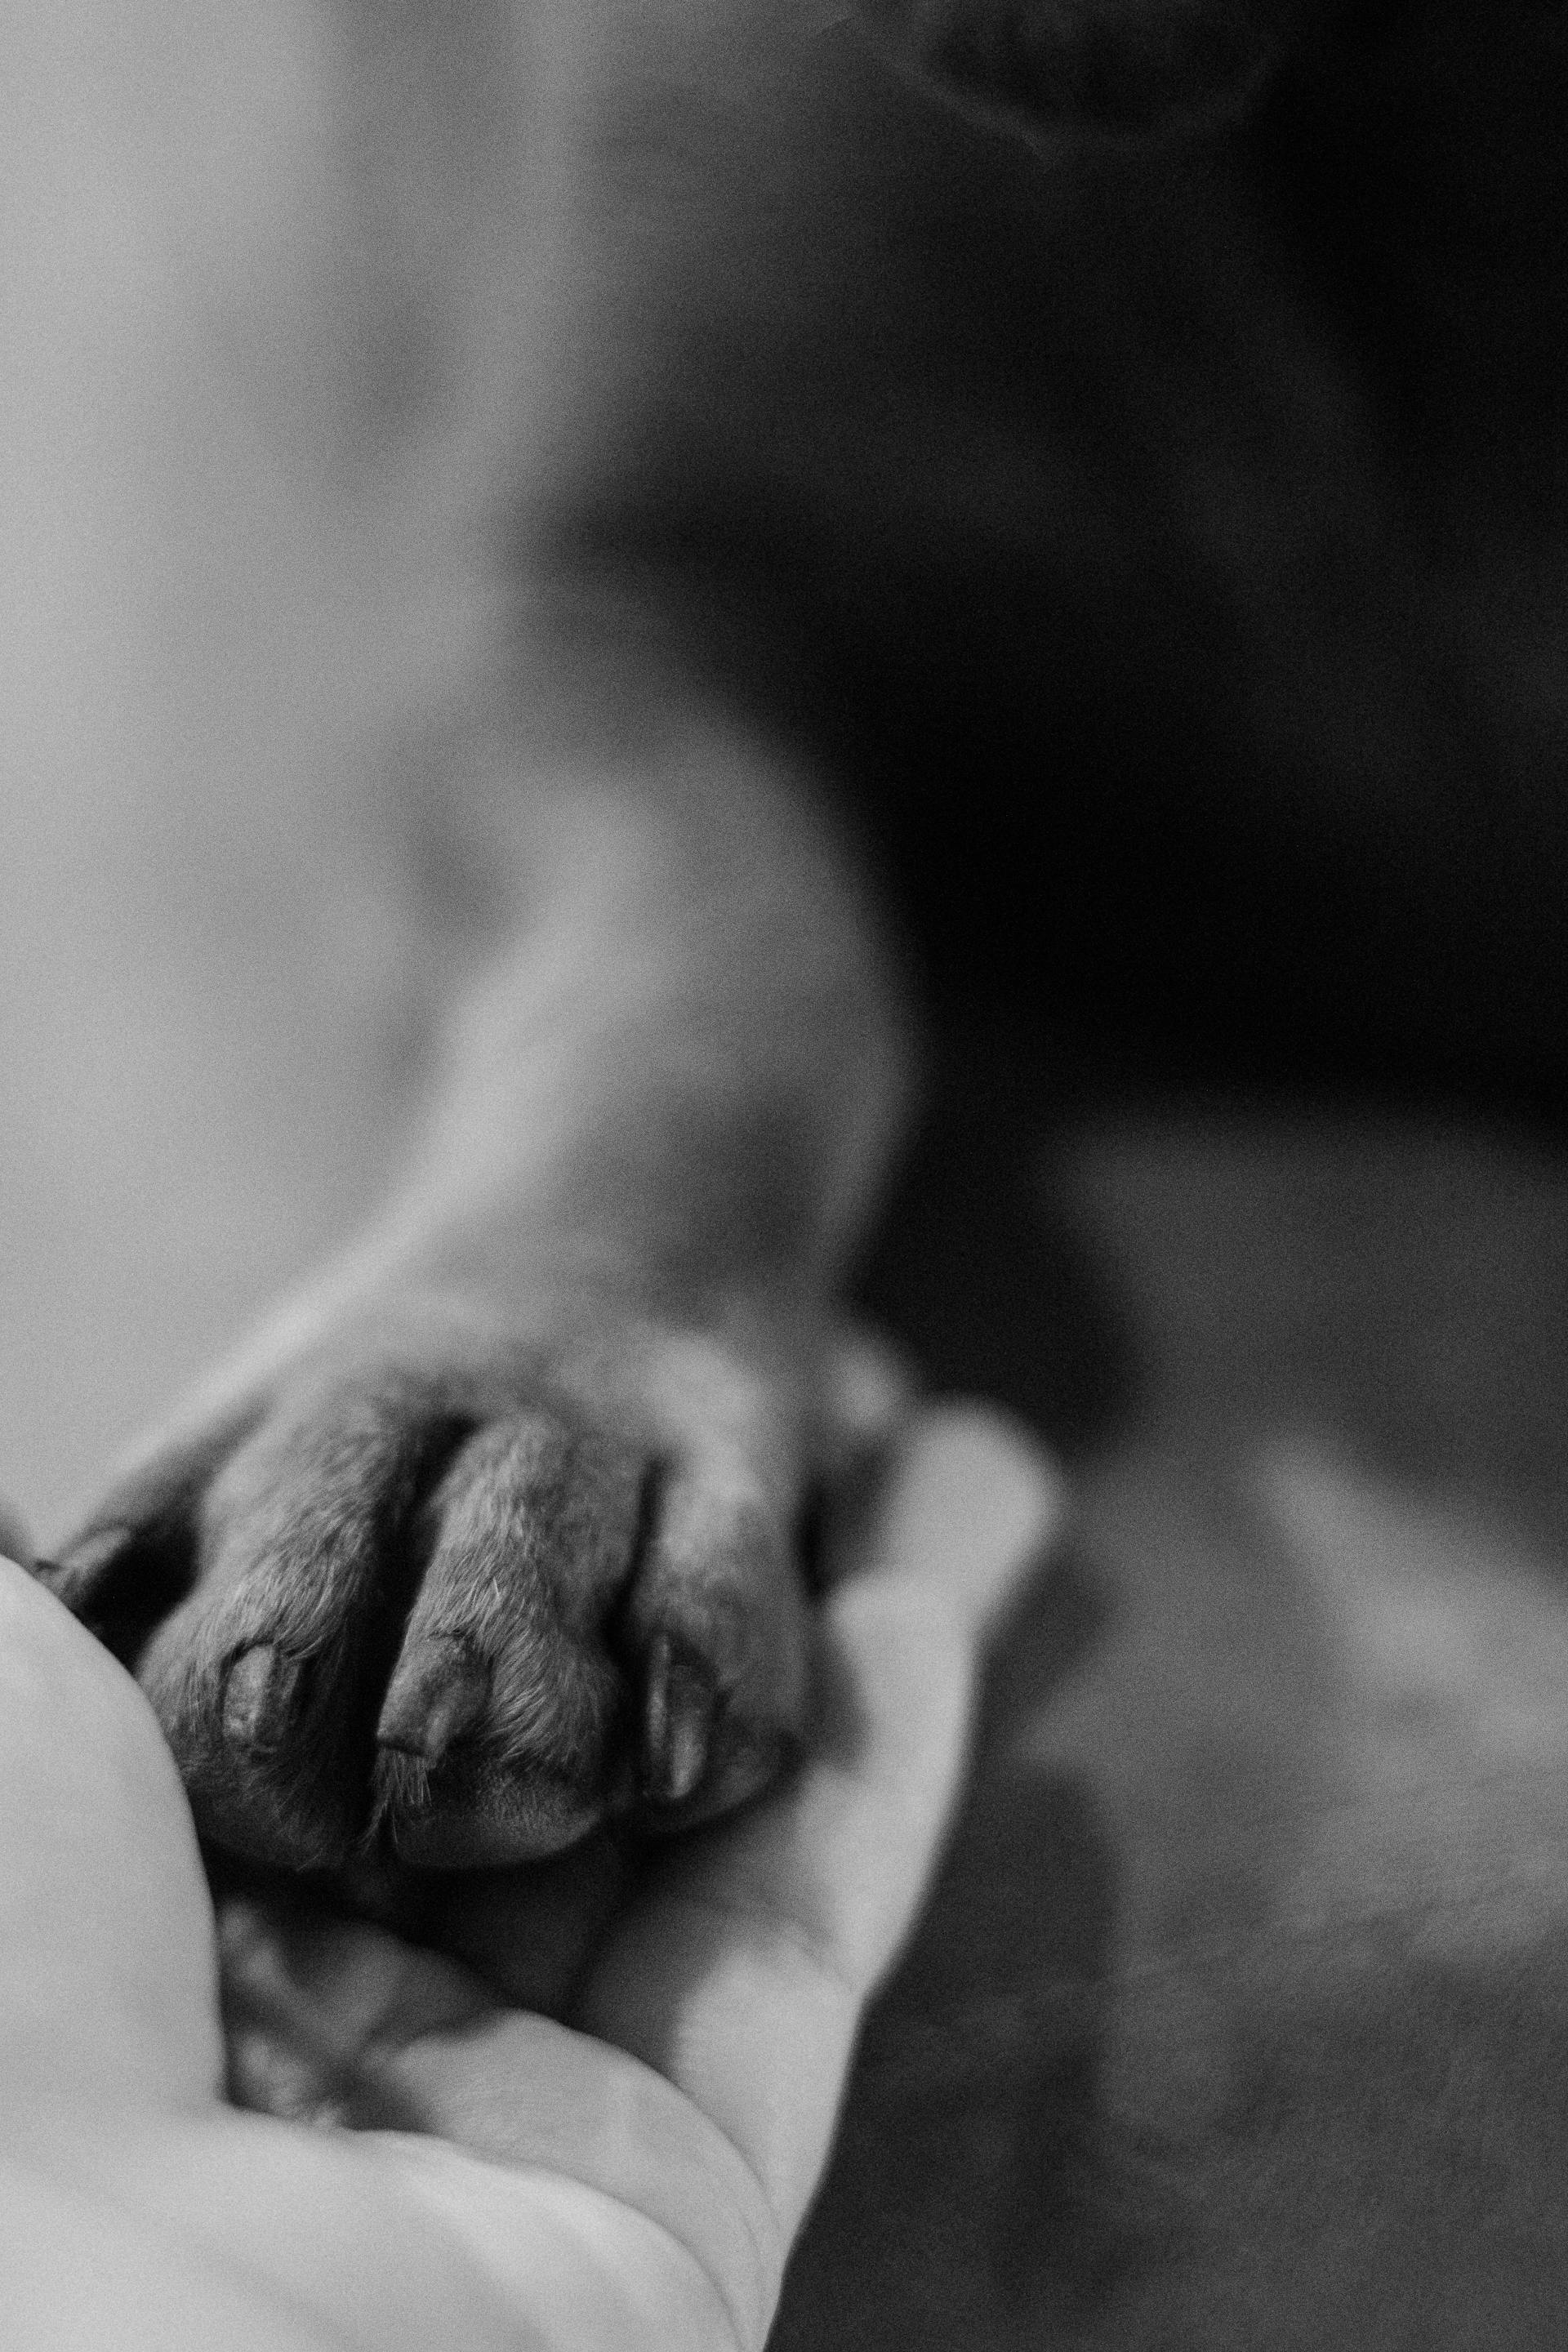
493, 1533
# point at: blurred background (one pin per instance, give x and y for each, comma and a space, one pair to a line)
1240, 2016
239, 551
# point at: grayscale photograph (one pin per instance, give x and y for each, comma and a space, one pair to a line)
783, 1176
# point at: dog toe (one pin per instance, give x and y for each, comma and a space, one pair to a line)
499, 1732
715, 1636
268, 1675
456, 1615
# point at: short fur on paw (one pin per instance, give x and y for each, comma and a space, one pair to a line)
444, 1599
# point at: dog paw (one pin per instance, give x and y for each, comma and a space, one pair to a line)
437, 1599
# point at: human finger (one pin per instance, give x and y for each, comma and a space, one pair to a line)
742, 1971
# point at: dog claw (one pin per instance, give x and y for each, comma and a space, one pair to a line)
259, 1694
678, 1722
437, 1694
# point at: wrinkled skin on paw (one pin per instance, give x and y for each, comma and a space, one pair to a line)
437, 1597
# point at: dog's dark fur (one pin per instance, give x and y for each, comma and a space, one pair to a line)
997, 440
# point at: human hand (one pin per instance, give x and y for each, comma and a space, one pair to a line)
635, 2177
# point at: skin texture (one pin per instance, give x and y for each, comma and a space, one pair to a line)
465, 2168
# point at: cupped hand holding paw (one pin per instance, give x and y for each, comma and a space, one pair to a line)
486, 2176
